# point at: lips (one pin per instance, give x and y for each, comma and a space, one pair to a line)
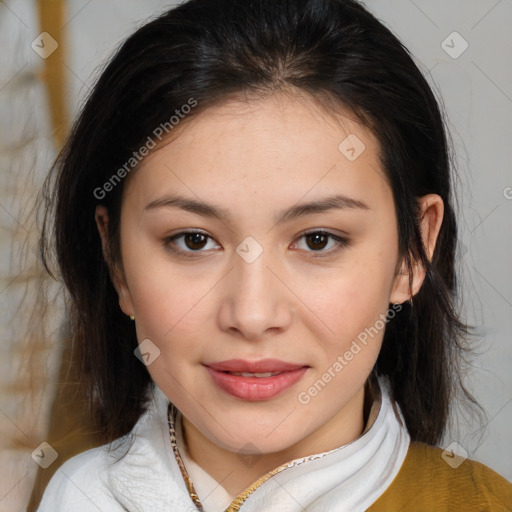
264, 365
255, 380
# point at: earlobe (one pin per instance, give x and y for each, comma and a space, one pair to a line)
403, 289
431, 215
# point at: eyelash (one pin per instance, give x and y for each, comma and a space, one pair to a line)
341, 243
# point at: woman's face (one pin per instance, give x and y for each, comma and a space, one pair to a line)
289, 274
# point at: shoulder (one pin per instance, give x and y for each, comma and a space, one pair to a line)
80, 484
432, 479
135, 470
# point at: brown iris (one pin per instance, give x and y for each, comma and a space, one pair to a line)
319, 240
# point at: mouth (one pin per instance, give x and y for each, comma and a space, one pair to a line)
255, 380
257, 375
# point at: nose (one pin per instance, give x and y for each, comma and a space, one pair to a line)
255, 303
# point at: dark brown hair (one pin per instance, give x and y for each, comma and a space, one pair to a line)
209, 50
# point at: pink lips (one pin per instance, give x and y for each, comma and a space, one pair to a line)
253, 388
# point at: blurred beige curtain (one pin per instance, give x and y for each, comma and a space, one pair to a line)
67, 425
52, 20
35, 405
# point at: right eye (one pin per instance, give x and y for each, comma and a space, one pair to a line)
189, 242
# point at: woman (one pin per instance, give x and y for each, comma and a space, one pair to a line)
253, 218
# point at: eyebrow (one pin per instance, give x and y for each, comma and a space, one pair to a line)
339, 202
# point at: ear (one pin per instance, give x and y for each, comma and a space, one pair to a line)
116, 275
431, 215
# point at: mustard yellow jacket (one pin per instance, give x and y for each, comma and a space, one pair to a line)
426, 483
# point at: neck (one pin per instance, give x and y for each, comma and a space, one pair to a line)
236, 472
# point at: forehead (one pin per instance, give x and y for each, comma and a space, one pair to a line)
278, 148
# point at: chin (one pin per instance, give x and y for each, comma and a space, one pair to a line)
251, 435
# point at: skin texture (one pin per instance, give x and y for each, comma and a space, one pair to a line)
295, 302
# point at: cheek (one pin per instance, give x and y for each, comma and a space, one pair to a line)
351, 301
173, 316
168, 299
352, 296
171, 307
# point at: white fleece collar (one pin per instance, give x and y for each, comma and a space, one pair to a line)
349, 478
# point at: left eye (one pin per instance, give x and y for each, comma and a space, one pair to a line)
321, 241
193, 241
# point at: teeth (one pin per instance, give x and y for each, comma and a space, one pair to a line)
247, 374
